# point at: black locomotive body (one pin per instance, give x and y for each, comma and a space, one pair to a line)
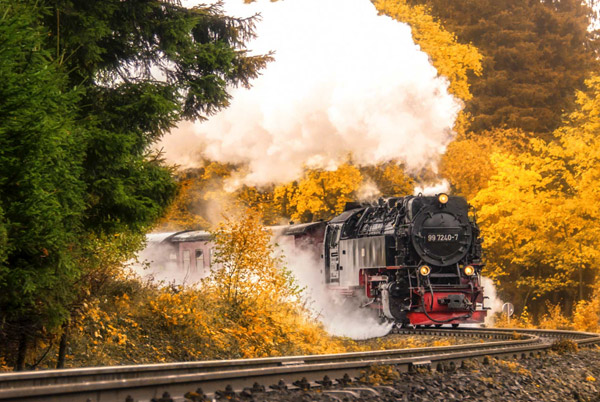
416, 258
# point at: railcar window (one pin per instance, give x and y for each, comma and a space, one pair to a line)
186, 260
199, 260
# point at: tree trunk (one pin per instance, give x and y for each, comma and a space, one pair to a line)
580, 283
527, 297
21, 352
62, 348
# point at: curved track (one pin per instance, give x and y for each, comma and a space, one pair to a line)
144, 382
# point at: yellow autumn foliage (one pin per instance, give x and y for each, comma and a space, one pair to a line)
467, 161
540, 211
389, 178
3, 366
554, 318
467, 165
320, 194
248, 307
245, 269
183, 213
522, 320
255, 294
586, 316
199, 190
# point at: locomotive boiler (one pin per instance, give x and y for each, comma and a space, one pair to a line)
417, 259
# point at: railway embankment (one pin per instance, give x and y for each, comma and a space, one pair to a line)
509, 365
573, 376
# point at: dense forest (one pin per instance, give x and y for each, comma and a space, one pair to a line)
88, 89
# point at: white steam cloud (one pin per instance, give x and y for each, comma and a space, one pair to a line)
345, 82
493, 302
340, 315
434, 189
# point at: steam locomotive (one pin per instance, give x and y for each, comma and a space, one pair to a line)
415, 260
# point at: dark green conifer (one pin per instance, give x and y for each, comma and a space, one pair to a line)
86, 89
535, 54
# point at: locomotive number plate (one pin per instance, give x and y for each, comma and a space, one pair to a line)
442, 237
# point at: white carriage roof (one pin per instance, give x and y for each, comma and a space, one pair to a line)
203, 235
158, 237
191, 235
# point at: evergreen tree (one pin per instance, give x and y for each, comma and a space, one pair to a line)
142, 67
40, 188
535, 54
86, 88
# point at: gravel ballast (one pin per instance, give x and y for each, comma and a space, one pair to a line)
567, 377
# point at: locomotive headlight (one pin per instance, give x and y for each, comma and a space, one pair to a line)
443, 198
424, 270
469, 270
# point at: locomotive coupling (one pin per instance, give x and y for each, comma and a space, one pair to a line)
456, 302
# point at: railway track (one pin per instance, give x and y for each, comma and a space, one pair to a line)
144, 382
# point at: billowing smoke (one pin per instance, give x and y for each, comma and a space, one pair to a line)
368, 192
493, 301
339, 315
434, 189
345, 83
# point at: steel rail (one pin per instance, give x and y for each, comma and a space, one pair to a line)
143, 382
54, 377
